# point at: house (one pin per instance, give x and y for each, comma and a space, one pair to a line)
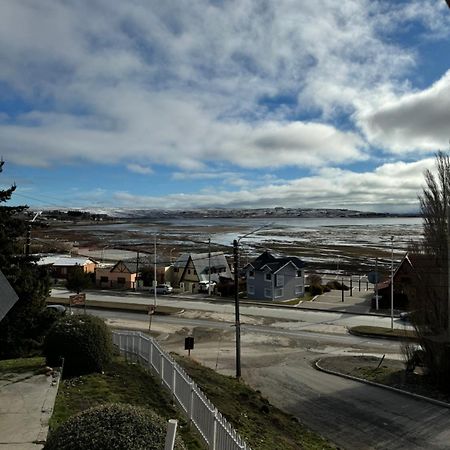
271, 278
8, 296
121, 275
414, 268
192, 268
61, 264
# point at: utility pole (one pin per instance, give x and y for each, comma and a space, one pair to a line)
209, 266
136, 285
392, 282
236, 307
236, 298
376, 283
151, 310
28, 243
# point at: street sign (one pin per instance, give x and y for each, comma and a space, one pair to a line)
189, 344
77, 299
373, 277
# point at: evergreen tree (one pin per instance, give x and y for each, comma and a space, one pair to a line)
21, 329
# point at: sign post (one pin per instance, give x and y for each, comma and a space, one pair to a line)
189, 344
77, 299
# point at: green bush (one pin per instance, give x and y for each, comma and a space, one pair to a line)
84, 341
109, 427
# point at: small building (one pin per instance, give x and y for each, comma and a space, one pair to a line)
414, 269
61, 264
121, 275
192, 268
275, 279
8, 297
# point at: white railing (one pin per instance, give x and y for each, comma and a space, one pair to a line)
215, 430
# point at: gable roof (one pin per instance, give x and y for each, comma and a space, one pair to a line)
129, 266
267, 261
202, 262
8, 296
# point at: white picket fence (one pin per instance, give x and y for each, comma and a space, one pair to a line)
217, 433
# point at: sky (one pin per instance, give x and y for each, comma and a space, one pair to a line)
182, 104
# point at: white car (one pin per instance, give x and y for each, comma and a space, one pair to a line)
203, 286
162, 289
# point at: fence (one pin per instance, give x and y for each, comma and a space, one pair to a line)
217, 433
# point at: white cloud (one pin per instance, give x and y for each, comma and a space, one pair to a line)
416, 121
183, 85
391, 187
137, 168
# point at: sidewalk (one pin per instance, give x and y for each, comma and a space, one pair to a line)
26, 405
357, 303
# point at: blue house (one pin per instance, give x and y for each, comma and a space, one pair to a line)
275, 279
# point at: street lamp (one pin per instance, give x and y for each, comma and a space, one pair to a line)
392, 282
236, 299
170, 255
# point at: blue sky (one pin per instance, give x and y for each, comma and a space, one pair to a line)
239, 103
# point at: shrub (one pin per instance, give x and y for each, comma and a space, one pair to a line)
316, 289
84, 341
112, 426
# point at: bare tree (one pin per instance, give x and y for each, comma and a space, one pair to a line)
429, 293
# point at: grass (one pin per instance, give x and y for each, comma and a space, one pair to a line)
263, 426
384, 332
21, 365
387, 372
120, 383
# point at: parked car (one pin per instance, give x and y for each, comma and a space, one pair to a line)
203, 286
162, 289
61, 309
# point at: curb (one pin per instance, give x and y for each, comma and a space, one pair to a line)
383, 386
241, 302
380, 336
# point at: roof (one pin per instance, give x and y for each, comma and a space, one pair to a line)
131, 266
273, 264
8, 297
63, 261
202, 262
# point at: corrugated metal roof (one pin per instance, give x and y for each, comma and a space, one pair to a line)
8, 297
64, 261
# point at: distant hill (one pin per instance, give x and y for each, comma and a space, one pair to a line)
214, 213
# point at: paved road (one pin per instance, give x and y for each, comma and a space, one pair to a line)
296, 315
353, 415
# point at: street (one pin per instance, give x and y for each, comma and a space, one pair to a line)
279, 347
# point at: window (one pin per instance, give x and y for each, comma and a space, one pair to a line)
103, 279
279, 293
279, 280
268, 277
251, 274
298, 274
268, 293
120, 280
299, 289
189, 271
251, 289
